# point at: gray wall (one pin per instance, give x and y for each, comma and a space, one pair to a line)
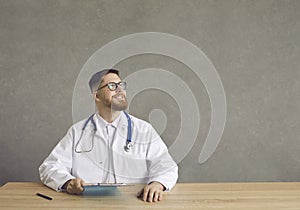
254, 46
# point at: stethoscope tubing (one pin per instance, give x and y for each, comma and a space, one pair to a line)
127, 147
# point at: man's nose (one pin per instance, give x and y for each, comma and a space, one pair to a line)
119, 89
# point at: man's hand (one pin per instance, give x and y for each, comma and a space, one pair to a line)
152, 192
74, 186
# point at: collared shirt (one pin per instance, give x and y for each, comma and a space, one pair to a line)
109, 130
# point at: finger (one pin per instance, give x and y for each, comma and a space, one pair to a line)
150, 196
82, 182
156, 196
70, 187
71, 183
77, 183
145, 193
160, 197
139, 194
79, 186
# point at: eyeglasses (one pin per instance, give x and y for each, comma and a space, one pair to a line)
113, 86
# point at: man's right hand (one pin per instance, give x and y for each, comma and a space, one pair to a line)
74, 186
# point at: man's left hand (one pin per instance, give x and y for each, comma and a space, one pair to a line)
152, 192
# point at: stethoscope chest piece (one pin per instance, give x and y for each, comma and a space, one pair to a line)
128, 147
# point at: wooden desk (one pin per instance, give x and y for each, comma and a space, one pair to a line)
231, 196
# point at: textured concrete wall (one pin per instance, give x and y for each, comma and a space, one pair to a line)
254, 46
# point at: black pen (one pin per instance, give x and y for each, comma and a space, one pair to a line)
44, 196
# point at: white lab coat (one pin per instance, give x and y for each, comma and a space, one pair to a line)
107, 161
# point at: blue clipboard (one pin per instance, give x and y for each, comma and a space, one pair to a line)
102, 189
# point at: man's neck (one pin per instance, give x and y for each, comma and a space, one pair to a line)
110, 115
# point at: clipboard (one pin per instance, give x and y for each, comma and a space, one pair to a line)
102, 189
105, 184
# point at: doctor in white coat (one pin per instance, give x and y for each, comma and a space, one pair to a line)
110, 147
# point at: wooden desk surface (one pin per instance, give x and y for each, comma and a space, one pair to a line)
231, 196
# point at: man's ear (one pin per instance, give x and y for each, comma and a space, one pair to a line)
96, 96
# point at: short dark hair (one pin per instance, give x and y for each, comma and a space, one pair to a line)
97, 78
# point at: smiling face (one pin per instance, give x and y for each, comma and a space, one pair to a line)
111, 100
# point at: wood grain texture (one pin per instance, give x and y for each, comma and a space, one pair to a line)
243, 196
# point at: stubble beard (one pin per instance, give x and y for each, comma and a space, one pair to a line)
114, 104
118, 105
118, 102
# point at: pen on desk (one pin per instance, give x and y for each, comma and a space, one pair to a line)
44, 196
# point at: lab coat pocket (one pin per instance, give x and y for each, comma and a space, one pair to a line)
131, 166
88, 167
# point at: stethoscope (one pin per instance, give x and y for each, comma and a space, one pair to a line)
128, 146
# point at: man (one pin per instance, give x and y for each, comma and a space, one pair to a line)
110, 147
